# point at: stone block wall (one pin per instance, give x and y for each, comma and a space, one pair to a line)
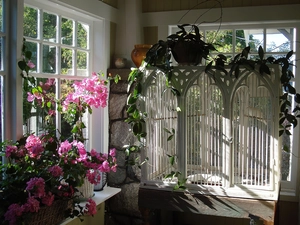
122, 208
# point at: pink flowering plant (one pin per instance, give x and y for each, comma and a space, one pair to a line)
42, 168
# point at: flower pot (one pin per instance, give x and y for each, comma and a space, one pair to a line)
187, 53
86, 190
138, 54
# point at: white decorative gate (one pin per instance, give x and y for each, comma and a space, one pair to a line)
226, 132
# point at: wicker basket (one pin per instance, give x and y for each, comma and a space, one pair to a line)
51, 215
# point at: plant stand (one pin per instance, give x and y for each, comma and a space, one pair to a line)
182, 208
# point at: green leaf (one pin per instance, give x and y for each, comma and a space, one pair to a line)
75, 129
28, 54
291, 89
131, 99
208, 67
261, 53
170, 137
166, 130
172, 160
246, 51
137, 128
288, 132
281, 132
264, 69
22, 65
131, 108
289, 54
175, 91
48, 104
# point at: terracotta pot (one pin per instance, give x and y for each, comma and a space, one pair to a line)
138, 54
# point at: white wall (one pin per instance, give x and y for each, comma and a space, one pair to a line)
273, 14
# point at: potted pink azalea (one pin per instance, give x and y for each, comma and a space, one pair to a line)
42, 172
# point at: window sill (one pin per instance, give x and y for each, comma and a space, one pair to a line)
100, 198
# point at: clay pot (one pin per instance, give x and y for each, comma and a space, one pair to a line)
138, 54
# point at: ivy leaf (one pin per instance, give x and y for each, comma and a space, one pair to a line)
170, 137
28, 54
172, 160
208, 67
131, 108
137, 128
131, 99
175, 91
264, 69
288, 132
291, 89
22, 65
281, 132
297, 98
166, 130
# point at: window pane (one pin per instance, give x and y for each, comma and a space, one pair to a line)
69, 120
49, 59
81, 63
253, 38
66, 61
82, 35
36, 117
67, 31
222, 40
30, 22
1, 53
33, 48
1, 109
280, 40
1, 15
49, 27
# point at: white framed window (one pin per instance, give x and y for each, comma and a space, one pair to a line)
62, 42
253, 172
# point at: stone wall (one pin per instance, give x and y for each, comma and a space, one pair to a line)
122, 208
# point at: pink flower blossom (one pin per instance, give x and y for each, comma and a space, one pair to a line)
10, 150
94, 176
104, 167
114, 168
34, 146
51, 112
14, 211
56, 171
36, 186
65, 147
30, 64
90, 207
48, 199
32, 205
112, 152
30, 97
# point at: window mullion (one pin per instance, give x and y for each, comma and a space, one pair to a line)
58, 48
74, 64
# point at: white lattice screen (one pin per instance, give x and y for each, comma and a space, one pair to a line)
226, 131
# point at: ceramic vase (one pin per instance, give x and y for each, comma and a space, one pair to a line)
138, 54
